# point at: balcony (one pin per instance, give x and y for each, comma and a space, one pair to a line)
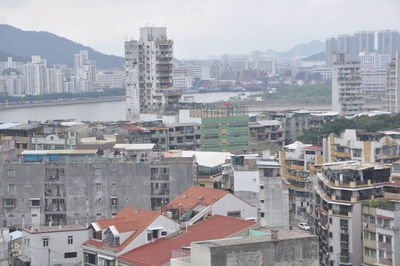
369, 243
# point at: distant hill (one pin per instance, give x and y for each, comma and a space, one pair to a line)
4, 56
315, 57
53, 48
304, 49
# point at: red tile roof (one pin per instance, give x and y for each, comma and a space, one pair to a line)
197, 195
129, 219
313, 147
135, 128
215, 227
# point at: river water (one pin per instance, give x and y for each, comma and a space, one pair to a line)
104, 111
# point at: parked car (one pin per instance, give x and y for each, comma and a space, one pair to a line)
304, 226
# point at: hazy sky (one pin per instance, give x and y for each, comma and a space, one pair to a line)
202, 27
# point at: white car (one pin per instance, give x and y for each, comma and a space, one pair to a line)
304, 226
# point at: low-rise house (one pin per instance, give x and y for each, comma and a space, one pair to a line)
52, 245
197, 202
163, 250
135, 152
129, 229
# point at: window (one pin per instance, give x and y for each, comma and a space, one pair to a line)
114, 201
163, 233
68, 255
97, 235
70, 240
388, 239
35, 202
262, 214
357, 153
45, 242
262, 201
90, 258
380, 237
98, 187
10, 172
149, 236
234, 214
381, 253
372, 236
9, 202
11, 187
261, 186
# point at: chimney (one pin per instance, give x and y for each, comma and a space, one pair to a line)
274, 234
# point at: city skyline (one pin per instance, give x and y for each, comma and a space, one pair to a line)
268, 24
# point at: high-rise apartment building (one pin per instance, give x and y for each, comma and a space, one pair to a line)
330, 49
388, 42
373, 73
85, 71
341, 189
392, 97
149, 66
35, 75
364, 42
346, 86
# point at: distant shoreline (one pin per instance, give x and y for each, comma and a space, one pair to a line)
62, 102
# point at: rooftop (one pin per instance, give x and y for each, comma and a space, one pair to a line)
54, 229
129, 219
57, 152
197, 195
214, 227
354, 165
131, 147
203, 158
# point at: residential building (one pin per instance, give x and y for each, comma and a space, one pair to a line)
149, 72
330, 49
110, 79
374, 73
35, 76
273, 203
176, 246
35, 189
270, 131
129, 229
264, 247
340, 189
363, 146
392, 97
184, 136
299, 163
364, 42
325, 73
182, 82
197, 202
85, 72
53, 245
346, 86
210, 166
381, 229
21, 133
388, 42
296, 123
7, 149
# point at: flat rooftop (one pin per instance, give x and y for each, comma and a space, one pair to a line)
54, 229
283, 234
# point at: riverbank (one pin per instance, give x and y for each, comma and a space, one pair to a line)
63, 102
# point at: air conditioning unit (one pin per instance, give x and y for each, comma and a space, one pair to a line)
365, 225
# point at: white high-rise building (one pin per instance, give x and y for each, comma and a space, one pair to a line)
346, 86
149, 66
85, 71
54, 81
392, 97
373, 73
35, 76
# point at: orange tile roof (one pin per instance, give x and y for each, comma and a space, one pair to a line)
215, 227
129, 219
197, 195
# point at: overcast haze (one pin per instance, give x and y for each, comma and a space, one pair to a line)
202, 27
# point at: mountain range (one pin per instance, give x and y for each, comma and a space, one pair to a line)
53, 48
22, 45
301, 50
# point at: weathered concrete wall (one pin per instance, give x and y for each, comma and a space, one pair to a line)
299, 252
86, 188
